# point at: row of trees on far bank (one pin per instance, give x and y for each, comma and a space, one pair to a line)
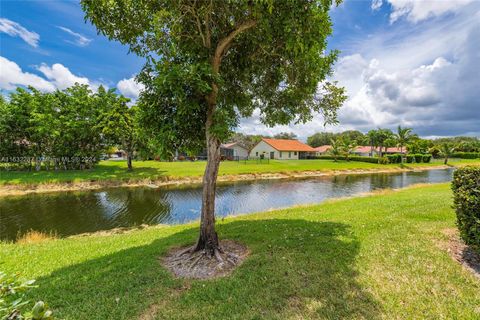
64, 129
403, 138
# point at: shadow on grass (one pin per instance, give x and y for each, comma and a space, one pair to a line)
297, 268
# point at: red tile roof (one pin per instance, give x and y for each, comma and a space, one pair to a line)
363, 149
368, 149
394, 150
324, 148
288, 145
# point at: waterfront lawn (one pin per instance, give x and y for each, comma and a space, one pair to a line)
381, 256
155, 170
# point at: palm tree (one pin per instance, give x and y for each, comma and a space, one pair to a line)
383, 136
348, 147
373, 139
335, 149
402, 137
446, 151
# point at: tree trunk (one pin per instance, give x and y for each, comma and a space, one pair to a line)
208, 239
446, 160
129, 161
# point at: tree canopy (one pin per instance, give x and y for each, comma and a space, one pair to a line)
210, 63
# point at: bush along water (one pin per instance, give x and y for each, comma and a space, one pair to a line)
466, 200
14, 306
389, 158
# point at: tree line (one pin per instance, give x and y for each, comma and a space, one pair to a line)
404, 138
65, 129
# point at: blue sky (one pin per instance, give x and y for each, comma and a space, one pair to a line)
402, 61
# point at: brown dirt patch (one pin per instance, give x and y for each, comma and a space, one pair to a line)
462, 253
198, 265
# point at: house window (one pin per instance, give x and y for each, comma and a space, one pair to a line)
280, 154
295, 153
289, 154
256, 153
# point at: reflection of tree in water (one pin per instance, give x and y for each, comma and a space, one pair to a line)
71, 213
137, 206
64, 214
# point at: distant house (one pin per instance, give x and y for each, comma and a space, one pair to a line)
281, 149
234, 149
363, 151
322, 150
368, 151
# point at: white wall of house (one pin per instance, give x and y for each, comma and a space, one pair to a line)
264, 148
239, 151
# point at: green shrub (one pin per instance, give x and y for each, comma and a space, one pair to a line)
12, 300
392, 158
465, 155
409, 158
466, 200
383, 160
426, 158
418, 157
351, 158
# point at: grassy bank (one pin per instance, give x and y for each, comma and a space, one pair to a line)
372, 257
154, 170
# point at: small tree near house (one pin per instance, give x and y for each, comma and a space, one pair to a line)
210, 63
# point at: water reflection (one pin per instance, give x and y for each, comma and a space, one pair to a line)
71, 213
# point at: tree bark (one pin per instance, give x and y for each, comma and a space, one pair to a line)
208, 238
129, 161
446, 160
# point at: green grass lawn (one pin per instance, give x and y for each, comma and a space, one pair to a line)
376, 257
117, 170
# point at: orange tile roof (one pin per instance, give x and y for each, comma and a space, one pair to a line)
322, 148
288, 145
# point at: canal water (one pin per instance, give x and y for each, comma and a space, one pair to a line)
69, 213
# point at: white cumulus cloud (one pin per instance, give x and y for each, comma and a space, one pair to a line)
11, 76
16, 30
60, 76
416, 10
130, 88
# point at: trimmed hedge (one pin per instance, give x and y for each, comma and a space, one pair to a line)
418, 158
426, 158
466, 200
394, 158
409, 158
466, 155
351, 158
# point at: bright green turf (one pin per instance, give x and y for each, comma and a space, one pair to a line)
115, 170
361, 258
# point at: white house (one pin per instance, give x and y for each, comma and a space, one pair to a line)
281, 149
237, 150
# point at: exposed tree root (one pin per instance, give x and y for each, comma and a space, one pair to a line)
204, 264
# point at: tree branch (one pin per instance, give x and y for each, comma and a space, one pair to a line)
225, 43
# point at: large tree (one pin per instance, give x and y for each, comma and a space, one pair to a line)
210, 63
118, 122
